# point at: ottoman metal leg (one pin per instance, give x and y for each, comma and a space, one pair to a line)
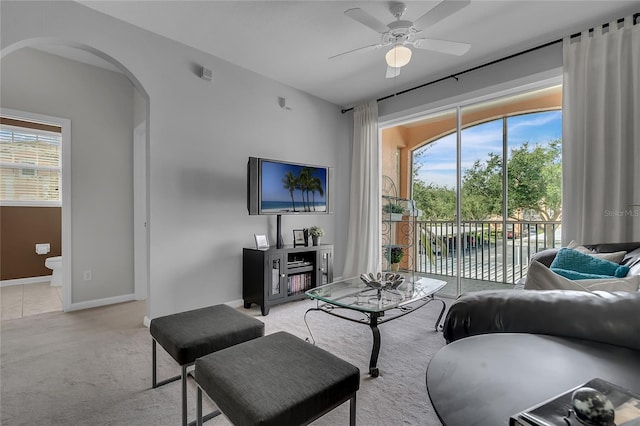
184, 376
199, 408
154, 380
352, 411
184, 395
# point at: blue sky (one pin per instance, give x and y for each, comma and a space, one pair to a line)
439, 163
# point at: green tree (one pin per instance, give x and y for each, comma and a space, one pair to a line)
533, 181
436, 202
482, 189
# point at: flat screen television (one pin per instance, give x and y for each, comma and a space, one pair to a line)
283, 188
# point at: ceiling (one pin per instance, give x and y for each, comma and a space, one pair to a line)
291, 41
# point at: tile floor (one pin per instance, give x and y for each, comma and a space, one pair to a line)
24, 300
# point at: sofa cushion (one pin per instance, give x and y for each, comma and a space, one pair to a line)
597, 316
573, 260
539, 277
632, 257
616, 256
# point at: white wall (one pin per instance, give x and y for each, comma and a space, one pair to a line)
99, 104
201, 134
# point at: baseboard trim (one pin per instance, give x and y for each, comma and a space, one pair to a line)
101, 302
20, 281
235, 303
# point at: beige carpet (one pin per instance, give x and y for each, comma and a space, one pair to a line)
93, 367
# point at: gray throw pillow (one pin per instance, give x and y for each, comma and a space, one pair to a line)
616, 256
539, 277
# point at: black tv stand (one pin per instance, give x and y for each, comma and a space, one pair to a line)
278, 275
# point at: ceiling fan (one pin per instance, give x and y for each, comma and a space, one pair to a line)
402, 34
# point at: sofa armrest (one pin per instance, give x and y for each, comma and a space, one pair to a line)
596, 316
545, 256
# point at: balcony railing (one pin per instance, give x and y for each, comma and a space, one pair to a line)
486, 251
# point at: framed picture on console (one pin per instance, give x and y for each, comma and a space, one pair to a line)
262, 243
299, 238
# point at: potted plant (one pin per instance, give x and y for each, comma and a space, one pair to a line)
316, 232
395, 211
394, 255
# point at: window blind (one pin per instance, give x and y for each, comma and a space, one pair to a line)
30, 166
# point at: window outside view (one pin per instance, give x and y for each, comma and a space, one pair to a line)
30, 166
497, 237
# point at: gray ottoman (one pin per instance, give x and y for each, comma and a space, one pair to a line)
192, 334
278, 379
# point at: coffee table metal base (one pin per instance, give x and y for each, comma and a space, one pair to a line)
374, 319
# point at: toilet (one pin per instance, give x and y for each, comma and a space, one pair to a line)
55, 264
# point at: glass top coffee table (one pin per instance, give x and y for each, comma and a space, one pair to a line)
351, 298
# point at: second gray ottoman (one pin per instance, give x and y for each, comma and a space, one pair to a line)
277, 379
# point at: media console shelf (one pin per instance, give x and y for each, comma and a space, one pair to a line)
278, 275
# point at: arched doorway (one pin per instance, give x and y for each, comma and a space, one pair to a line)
84, 289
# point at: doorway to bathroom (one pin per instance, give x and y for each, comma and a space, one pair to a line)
109, 109
32, 209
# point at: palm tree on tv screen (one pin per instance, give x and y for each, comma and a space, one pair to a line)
316, 186
304, 184
290, 183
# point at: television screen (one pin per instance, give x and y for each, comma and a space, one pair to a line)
277, 187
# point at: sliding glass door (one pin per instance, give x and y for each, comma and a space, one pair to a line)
435, 188
492, 199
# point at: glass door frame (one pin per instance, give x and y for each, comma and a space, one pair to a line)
458, 105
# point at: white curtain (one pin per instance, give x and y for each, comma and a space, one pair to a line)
363, 239
601, 135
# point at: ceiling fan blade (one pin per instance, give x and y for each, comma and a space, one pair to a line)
443, 46
438, 13
365, 19
392, 72
359, 49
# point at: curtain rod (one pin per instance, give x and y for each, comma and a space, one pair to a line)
455, 76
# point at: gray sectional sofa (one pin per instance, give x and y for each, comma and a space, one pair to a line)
599, 316
538, 333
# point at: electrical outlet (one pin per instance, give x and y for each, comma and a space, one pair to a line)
87, 275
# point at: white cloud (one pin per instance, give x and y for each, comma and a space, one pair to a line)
535, 120
440, 179
439, 161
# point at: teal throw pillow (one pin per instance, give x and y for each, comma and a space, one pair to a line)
573, 275
572, 260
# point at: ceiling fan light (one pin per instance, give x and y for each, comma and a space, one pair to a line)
398, 56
